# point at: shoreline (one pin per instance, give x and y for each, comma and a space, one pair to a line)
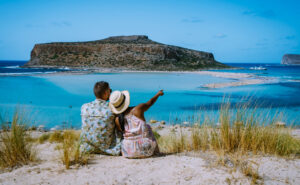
240, 79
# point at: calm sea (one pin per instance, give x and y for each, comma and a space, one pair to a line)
52, 100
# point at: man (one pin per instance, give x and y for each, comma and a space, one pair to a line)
98, 132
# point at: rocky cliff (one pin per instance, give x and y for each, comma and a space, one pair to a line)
121, 52
291, 59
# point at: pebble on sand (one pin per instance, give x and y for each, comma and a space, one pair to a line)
280, 124
41, 128
153, 121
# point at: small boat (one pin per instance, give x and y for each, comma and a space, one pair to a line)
258, 68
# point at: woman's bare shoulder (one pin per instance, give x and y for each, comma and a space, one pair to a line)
138, 110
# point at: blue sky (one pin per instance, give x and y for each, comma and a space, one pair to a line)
233, 30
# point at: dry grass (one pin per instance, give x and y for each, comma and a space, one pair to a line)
68, 142
56, 137
175, 142
251, 171
239, 133
43, 138
15, 146
241, 130
70, 146
239, 162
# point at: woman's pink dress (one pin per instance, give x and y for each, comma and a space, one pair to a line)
138, 140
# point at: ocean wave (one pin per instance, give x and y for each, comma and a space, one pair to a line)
288, 77
26, 73
11, 67
64, 68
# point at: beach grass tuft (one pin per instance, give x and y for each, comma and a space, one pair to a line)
156, 134
15, 146
175, 142
56, 137
249, 170
43, 138
70, 146
240, 130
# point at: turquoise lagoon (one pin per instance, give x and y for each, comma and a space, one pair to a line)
53, 100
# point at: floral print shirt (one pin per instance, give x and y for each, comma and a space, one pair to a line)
98, 132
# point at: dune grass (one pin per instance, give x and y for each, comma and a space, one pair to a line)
52, 137
56, 137
16, 144
15, 147
43, 138
240, 130
234, 137
69, 144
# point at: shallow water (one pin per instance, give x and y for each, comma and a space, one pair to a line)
56, 99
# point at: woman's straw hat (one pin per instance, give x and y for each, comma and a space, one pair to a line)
119, 101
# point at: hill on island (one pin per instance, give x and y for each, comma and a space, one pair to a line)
135, 52
291, 59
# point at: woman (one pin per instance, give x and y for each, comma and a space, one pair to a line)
138, 140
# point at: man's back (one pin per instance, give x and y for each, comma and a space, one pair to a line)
98, 129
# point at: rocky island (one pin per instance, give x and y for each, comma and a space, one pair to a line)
291, 59
135, 52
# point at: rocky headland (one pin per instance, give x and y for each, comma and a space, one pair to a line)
136, 52
291, 59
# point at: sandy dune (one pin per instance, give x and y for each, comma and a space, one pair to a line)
171, 169
189, 168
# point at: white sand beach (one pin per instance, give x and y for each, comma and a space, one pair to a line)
241, 79
182, 168
237, 83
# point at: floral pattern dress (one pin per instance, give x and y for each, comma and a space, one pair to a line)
139, 141
98, 131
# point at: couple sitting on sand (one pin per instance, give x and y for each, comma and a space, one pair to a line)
114, 128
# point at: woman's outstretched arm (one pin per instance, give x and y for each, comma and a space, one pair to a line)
143, 107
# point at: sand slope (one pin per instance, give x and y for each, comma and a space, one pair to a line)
169, 169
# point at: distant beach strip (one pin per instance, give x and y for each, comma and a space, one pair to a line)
242, 79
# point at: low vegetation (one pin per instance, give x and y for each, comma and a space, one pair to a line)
15, 148
43, 138
71, 150
56, 137
239, 130
236, 135
16, 144
68, 142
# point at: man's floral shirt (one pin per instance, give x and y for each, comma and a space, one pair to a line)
98, 132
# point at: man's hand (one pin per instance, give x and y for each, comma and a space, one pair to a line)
161, 92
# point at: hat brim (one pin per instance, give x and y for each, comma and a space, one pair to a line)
125, 105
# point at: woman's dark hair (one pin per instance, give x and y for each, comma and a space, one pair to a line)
100, 88
121, 118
